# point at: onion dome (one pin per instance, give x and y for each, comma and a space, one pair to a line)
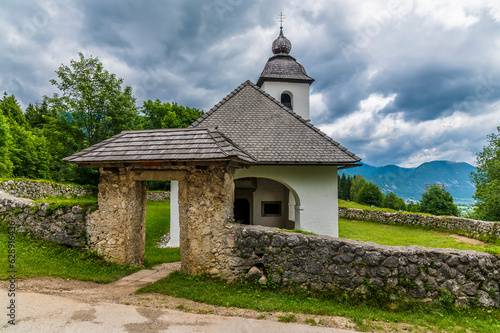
283, 67
281, 44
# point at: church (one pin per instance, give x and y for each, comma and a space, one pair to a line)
293, 184
254, 158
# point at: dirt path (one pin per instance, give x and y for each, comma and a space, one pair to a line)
122, 292
468, 240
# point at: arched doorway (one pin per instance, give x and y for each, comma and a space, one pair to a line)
267, 202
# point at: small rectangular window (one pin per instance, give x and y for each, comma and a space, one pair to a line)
271, 208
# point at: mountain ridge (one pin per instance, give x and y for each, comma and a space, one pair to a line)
409, 183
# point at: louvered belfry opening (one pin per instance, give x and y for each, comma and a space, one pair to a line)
286, 100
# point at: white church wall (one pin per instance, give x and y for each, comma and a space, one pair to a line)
300, 95
316, 189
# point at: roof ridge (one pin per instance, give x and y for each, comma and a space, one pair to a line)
210, 130
159, 130
219, 104
314, 128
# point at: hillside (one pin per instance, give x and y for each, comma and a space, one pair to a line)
409, 183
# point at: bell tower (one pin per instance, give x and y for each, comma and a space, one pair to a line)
285, 79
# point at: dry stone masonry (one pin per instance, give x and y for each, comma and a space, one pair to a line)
472, 228
158, 196
325, 263
62, 225
39, 189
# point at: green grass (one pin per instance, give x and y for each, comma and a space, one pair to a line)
86, 202
36, 257
422, 319
42, 258
158, 224
298, 231
401, 235
352, 204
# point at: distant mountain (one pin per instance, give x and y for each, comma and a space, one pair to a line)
409, 183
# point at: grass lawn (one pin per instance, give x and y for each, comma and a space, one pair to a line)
352, 204
158, 224
367, 316
401, 235
41, 258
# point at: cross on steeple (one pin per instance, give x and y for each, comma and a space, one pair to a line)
281, 18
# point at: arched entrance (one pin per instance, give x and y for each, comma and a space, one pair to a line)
267, 202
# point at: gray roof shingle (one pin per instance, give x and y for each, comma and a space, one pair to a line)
178, 144
283, 67
270, 132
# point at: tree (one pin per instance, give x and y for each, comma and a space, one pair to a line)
39, 115
369, 194
27, 151
167, 115
356, 184
93, 103
392, 201
487, 180
344, 187
5, 142
11, 110
438, 201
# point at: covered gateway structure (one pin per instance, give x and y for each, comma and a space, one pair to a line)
203, 162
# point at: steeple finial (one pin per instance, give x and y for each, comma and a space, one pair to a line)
281, 45
281, 18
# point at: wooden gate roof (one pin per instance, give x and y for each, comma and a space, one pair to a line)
178, 144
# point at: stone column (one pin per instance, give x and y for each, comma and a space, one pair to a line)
117, 229
206, 198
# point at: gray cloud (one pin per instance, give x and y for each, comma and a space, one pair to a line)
438, 63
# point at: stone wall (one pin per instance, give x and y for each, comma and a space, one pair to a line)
65, 225
39, 189
327, 263
158, 196
468, 227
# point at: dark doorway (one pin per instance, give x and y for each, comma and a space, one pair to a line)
242, 211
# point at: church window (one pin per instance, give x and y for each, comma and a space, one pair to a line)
286, 100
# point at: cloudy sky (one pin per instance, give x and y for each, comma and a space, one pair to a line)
397, 82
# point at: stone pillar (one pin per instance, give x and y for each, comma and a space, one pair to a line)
174, 215
117, 229
206, 198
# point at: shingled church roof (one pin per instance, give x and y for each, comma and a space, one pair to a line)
177, 144
270, 132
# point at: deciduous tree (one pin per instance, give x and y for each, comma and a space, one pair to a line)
93, 103
392, 201
438, 201
168, 115
369, 194
356, 184
487, 180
